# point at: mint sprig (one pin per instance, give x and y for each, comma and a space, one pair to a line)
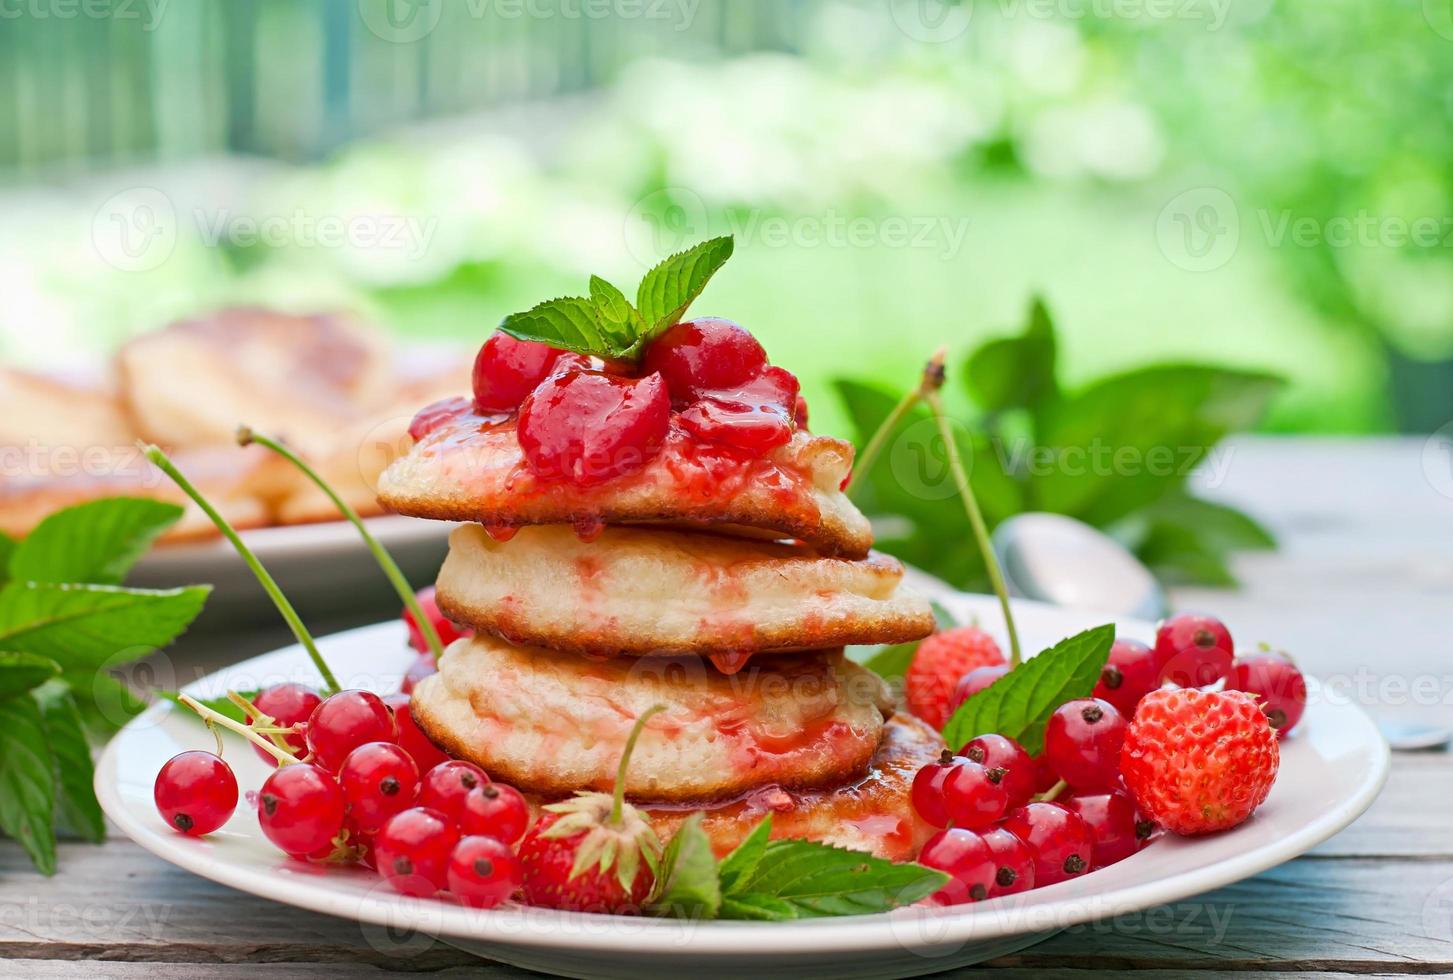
606, 325
777, 880
1018, 705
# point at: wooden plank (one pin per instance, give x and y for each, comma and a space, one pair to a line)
1404, 822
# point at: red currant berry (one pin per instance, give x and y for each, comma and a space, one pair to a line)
379, 779
483, 872
448, 631
589, 427
974, 796
436, 415
495, 810
300, 809
1132, 672
426, 754
975, 681
998, 752
754, 416
447, 784
1116, 828
506, 370
345, 721
966, 859
1014, 863
195, 792
1193, 651
1059, 839
1082, 743
412, 851
705, 355
287, 704
928, 789
1276, 681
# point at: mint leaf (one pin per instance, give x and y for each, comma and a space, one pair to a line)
85, 626
613, 306
76, 804
798, 879
94, 542
1016, 372
743, 860
1018, 705
668, 289
20, 672
222, 705
27, 782
688, 886
574, 324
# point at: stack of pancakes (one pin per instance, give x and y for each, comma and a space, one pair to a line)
720, 587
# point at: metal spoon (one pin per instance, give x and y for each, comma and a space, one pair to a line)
1059, 560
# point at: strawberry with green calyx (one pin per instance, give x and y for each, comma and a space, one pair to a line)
593, 853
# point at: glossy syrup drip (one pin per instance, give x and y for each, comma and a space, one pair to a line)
730, 662
588, 528
501, 532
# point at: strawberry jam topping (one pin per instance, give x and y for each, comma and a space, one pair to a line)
433, 416
506, 370
589, 427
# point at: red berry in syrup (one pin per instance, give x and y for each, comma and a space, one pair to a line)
1132, 672
412, 851
447, 784
495, 810
506, 370
1276, 681
754, 416
709, 354
287, 704
1194, 651
1116, 827
483, 872
379, 779
1014, 863
300, 809
974, 796
966, 859
345, 721
1059, 839
448, 630
437, 414
1082, 743
588, 427
928, 789
426, 754
195, 792
998, 752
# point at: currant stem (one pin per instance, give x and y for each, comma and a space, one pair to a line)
268, 728
971, 504
217, 718
1049, 795
619, 801
879, 439
246, 436
269, 585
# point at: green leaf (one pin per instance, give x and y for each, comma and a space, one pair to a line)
27, 781
88, 626
222, 705
574, 324
1186, 539
104, 703
94, 542
688, 886
7, 548
613, 306
743, 860
20, 672
1016, 372
890, 662
668, 289
1018, 705
76, 805
796, 879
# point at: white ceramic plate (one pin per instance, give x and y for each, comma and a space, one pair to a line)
1331, 770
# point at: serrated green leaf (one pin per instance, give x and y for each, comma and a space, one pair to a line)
27, 782
613, 306
574, 324
223, 705
761, 908
688, 883
86, 626
1016, 372
669, 288
94, 542
742, 861
21, 672
76, 804
1018, 705
805, 879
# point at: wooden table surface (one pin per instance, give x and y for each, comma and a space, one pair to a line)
1359, 591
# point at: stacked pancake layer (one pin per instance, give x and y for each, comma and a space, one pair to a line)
681, 599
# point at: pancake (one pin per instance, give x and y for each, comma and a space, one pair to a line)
639, 591
50, 413
472, 469
552, 723
873, 813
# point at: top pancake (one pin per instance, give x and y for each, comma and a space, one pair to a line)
472, 469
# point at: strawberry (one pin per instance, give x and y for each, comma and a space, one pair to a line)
938, 663
1199, 761
593, 853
